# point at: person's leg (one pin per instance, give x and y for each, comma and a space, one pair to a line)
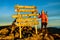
46, 27
41, 26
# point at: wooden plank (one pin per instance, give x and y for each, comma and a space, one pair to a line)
21, 15
26, 20
27, 24
17, 6
19, 10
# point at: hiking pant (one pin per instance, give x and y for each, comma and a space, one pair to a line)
44, 24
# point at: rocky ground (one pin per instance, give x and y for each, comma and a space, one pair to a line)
28, 33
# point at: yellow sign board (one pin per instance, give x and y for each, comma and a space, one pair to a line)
27, 24
26, 20
22, 22
21, 15
25, 7
19, 10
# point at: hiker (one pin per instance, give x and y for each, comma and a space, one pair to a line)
44, 20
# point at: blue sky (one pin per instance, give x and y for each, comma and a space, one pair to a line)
51, 6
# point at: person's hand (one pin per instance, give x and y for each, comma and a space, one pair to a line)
39, 13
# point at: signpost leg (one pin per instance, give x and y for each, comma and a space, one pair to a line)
36, 28
20, 32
